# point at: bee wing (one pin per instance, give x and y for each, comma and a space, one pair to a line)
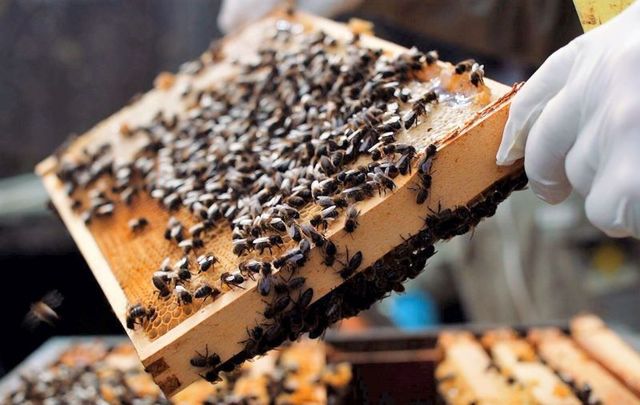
53, 298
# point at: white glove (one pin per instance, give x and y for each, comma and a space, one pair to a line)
235, 13
577, 124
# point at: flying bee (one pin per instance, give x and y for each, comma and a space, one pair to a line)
44, 310
138, 224
205, 262
351, 265
231, 280
183, 295
206, 360
205, 291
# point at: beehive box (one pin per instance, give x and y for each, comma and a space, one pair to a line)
215, 116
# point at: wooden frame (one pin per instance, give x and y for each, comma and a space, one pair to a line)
464, 168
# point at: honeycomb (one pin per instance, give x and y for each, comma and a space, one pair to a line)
134, 256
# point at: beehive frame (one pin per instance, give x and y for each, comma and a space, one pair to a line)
464, 169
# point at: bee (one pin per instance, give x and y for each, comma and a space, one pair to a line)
330, 251
171, 201
326, 166
231, 280
464, 66
205, 291
186, 245
296, 201
176, 233
294, 232
382, 180
431, 57
241, 246
404, 164
183, 263
304, 299
252, 344
317, 238
278, 225
211, 376
138, 224
391, 125
44, 310
197, 229
351, 265
183, 295
184, 274
262, 244
277, 306
424, 167
351, 222
104, 210
205, 262
206, 360
249, 268
284, 287
136, 315
266, 280
477, 74
422, 190
276, 240
354, 193
160, 283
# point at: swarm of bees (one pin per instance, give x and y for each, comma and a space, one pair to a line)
286, 133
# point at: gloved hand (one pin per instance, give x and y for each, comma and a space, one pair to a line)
235, 13
577, 124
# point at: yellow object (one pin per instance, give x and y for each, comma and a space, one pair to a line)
608, 259
593, 13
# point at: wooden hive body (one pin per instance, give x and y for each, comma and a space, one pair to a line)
122, 262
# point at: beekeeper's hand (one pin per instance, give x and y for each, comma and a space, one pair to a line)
577, 124
235, 13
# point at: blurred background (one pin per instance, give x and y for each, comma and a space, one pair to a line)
67, 64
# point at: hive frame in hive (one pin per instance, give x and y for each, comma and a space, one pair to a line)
464, 168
